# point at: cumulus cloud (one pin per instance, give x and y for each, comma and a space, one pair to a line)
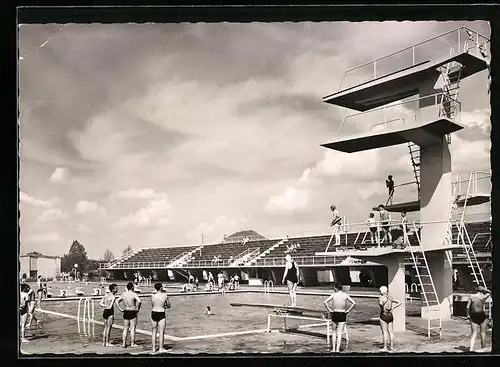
61, 175
84, 206
52, 215
478, 118
25, 198
157, 213
291, 201
45, 237
215, 230
139, 194
82, 227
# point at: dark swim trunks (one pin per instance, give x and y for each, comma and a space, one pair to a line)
129, 314
386, 316
157, 316
339, 316
23, 310
107, 313
478, 317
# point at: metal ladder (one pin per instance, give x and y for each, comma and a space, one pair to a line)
415, 163
451, 77
428, 290
464, 239
449, 231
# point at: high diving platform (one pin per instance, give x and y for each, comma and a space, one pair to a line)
402, 84
423, 134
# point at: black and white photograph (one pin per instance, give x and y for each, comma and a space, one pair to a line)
263, 187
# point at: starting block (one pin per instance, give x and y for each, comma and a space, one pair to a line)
63, 293
79, 292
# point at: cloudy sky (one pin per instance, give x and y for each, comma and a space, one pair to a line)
154, 134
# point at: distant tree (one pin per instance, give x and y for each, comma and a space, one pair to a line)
77, 255
108, 256
129, 248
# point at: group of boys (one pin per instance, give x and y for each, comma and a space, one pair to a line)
129, 304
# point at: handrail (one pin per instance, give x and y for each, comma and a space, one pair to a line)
415, 45
386, 122
392, 105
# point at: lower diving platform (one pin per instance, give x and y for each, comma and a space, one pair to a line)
422, 134
374, 252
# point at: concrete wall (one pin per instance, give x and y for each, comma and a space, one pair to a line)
46, 267
24, 266
442, 275
435, 192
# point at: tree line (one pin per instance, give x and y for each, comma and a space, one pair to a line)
77, 255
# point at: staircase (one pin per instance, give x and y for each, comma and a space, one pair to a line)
415, 163
451, 74
184, 258
265, 253
463, 236
245, 256
127, 256
428, 290
464, 240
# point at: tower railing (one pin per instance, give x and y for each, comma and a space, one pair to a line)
462, 39
401, 114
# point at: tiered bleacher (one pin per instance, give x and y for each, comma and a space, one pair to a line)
228, 250
160, 254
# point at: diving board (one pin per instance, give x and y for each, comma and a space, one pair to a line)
401, 84
408, 207
473, 199
279, 307
421, 134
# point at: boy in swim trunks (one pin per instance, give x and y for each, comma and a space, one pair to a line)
108, 302
23, 310
339, 312
132, 304
32, 306
159, 305
477, 316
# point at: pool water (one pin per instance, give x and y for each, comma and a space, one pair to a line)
187, 317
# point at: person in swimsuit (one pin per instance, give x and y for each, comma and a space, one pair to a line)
339, 313
291, 275
159, 305
108, 302
132, 304
389, 183
336, 224
32, 306
385, 219
372, 226
477, 316
220, 281
387, 304
23, 310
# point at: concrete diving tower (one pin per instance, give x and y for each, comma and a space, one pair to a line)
423, 110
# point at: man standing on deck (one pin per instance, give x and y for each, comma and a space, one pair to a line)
385, 223
477, 316
159, 305
339, 313
132, 304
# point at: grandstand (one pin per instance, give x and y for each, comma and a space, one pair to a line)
249, 250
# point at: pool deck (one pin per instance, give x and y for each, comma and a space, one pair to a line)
365, 337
